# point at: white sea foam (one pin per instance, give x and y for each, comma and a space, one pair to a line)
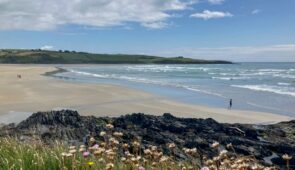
231, 78
267, 88
147, 81
89, 74
289, 76
203, 91
167, 68
223, 78
284, 84
114, 76
272, 70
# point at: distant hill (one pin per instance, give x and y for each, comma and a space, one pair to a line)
11, 56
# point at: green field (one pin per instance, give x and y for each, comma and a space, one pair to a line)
11, 56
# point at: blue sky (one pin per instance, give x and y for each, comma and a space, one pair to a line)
237, 30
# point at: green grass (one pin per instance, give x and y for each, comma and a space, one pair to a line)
66, 57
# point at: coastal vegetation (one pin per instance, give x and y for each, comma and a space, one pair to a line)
65, 140
11, 56
112, 154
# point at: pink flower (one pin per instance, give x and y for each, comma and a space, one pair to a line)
205, 168
86, 154
141, 168
96, 146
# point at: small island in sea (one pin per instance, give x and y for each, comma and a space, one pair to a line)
38, 56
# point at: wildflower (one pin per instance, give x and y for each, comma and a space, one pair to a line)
223, 153
102, 133
72, 151
72, 147
92, 140
109, 166
110, 126
239, 161
205, 168
190, 151
190, 168
141, 168
216, 158
69, 155
243, 166
209, 162
118, 134
212, 167
286, 157
145, 161
147, 152
134, 160
123, 159
127, 153
101, 160
215, 145
99, 151
63, 154
157, 154
230, 145
154, 148
171, 145
125, 146
234, 166
82, 149
102, 144
114, 141
90, 163
163, 159
136, 144
86, 154
96, 146
110, 152
257, 167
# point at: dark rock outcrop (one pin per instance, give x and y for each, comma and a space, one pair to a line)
266, 142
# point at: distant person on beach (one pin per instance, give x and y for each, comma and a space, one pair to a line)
19, 76
230, 104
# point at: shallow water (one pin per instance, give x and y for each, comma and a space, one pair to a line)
268, 87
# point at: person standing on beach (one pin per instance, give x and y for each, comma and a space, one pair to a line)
230, 104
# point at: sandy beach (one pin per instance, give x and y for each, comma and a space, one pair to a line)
35, 92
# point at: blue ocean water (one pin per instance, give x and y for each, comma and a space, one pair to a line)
268, 87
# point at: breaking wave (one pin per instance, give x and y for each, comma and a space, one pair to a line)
267, 88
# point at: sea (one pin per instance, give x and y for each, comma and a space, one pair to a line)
266, 87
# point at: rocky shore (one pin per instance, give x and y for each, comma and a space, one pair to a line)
266, 142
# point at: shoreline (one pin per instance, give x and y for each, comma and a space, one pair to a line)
40, 91
54, 72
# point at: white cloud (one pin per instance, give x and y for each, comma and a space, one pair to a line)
216, 1
46, 15
271, 53
155, 25
255, 11
206, 14
47, 47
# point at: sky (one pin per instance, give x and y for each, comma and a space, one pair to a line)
235, 30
